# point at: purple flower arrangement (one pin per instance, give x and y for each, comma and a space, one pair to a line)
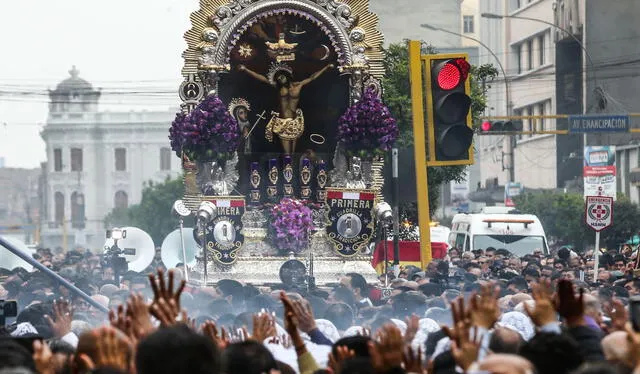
367, 128
291, 221
208, 133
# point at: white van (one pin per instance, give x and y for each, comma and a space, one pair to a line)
520, 234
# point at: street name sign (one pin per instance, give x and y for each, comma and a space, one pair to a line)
599, 123
598, 212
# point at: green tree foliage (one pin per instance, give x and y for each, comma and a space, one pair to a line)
562, 217
153, 214
397, 96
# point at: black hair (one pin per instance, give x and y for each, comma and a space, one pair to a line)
341, 315
229, 287
531, 272
14, 356
430, 289
358, 281
564, 253
358, 344
519, 282
219, 307
503, 252
60, 346
357, 365
284, 368
552, 353
248, 357
344, 295
177, 350
498, 343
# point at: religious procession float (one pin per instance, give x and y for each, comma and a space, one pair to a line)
282, 135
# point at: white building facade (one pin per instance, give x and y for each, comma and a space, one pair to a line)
526, 50
97, 161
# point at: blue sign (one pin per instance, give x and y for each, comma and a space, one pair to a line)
599, 123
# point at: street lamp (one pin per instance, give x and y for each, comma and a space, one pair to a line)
507, 89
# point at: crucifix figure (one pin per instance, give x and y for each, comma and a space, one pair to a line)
288, 124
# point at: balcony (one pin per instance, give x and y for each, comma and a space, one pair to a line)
634, 176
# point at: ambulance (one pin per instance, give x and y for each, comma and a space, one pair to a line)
520, 234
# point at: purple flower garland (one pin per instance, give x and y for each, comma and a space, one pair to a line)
208, 133
367, 128
291, 221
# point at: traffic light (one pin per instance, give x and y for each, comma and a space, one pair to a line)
448, 109
501, 126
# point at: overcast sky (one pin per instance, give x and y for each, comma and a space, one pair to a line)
115, 44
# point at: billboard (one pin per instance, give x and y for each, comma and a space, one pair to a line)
599, 171
511, 190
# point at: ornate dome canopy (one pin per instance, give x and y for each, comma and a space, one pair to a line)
73, 83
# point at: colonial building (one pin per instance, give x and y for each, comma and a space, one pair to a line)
526, 50
96, 161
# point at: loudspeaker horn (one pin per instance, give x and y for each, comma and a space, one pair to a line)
139, 240
171, 250
10, 261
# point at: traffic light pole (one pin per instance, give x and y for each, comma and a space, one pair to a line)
420, 150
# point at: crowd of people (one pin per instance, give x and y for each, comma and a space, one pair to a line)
481, 311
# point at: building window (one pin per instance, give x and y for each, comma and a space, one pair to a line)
165, 159
542, 108
121, 159
468, 24
57, 159
77, 210
541, 52
58, 199
76, 159
529, 54
121, 200
519, 57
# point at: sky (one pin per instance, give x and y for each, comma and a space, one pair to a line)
119, 45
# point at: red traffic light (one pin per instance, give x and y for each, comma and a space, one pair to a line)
501, 126
449, 74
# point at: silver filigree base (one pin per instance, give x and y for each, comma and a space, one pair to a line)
265, 270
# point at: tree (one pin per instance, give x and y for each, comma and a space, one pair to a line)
562, 216
153, 214
397, 96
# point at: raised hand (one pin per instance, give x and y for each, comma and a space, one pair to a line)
568, 305
306, 322
543, 312
413, 325
291, 324
164, 290
62, 317
342, 354
465, 349
138, 322
210, 330
118, 319
618, 314
484, 311
413, 360
263, 327
43, 357
113, 350
390, 346
461, 318
167, 312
